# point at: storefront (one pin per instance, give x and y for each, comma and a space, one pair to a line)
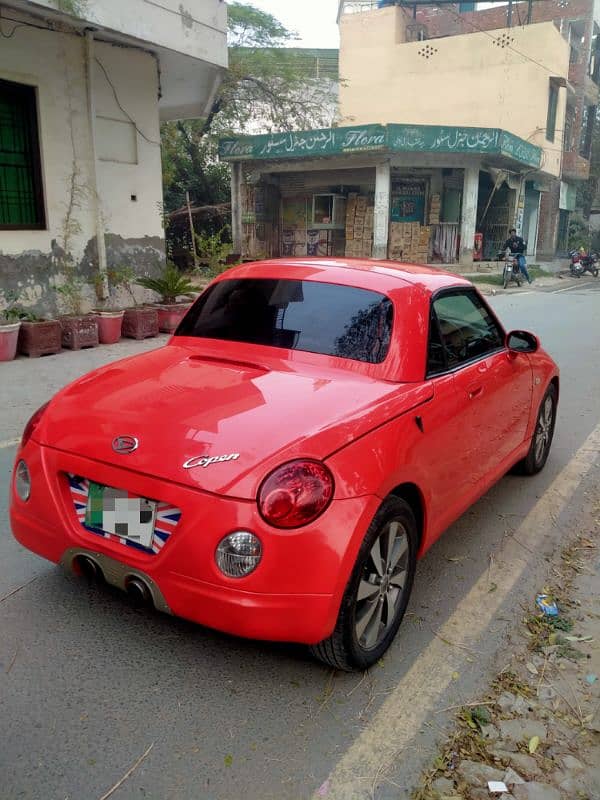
410, 193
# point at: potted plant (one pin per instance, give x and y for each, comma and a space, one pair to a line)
170, 285
9, 327
38, 336
78, 329
109, 315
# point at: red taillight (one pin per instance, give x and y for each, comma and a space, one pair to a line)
295, 493
32, 425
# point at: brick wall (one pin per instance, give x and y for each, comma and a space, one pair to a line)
446, 21
548, 222
575, 167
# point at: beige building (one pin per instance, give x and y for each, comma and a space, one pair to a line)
83, 89
491, 79
443, 145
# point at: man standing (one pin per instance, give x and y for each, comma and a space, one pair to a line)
517, 247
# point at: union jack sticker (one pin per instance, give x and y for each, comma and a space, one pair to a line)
167, 518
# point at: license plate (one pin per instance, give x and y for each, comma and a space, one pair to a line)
120, 513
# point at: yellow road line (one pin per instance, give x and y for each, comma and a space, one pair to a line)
419, 692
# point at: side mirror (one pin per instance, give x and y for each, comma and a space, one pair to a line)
522, 342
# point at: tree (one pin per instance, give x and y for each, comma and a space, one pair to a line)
189, 163
267, 87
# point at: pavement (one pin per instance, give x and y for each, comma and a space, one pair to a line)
99, 699
535, 734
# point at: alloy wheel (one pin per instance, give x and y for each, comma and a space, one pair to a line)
382, 585
543, 432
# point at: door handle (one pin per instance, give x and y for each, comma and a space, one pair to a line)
475, 391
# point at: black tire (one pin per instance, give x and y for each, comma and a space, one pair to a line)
348, 649
595, 273
519, 282
505, 281
541, 440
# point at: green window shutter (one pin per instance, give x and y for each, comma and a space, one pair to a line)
20, 181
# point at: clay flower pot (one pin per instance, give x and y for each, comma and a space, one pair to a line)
9, 337
40, 338
140, 322
170, 315
79, 331
110, 324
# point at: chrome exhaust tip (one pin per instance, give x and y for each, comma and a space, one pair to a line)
86, 566
138, 591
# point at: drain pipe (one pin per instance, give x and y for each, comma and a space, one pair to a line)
100, 241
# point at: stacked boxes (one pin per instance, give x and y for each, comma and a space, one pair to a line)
359, 227
409, 241
368, 232
434, 209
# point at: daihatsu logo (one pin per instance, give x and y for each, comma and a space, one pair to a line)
125, 444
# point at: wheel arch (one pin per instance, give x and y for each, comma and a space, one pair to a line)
412, 494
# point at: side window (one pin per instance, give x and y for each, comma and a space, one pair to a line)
467, 329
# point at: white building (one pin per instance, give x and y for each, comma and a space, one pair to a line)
84, 85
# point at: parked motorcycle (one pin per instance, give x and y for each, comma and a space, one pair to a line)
581, 263
575, 265
511, 271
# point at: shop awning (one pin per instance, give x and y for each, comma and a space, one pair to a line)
381, 138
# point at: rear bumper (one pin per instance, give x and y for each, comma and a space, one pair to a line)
294, 594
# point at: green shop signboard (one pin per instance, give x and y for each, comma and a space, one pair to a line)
373, 138
300, 144
436, 139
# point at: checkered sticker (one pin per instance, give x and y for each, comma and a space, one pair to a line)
115, 514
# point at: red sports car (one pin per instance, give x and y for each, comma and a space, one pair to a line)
276, 470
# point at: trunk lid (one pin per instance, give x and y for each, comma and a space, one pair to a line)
242, 418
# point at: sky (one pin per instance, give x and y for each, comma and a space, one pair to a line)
313, 20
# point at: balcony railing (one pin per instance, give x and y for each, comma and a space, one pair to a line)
355, 6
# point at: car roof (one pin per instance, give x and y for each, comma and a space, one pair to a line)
428, 278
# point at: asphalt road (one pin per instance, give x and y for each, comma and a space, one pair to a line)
88, 684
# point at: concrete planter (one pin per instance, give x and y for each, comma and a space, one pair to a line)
110, 325
40, 338
9, 337
170, 315
140, 322
80, 331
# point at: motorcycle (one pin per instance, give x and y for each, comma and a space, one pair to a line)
590, 264
575, 265
511, 271
581, 263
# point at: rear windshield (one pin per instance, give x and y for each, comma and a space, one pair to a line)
297, 315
